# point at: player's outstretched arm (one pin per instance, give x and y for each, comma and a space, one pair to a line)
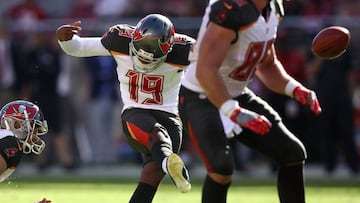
74, 45
273, 75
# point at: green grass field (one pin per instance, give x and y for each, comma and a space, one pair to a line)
100, 190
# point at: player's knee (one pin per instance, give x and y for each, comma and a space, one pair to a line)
223, 165
159, 134
296, 155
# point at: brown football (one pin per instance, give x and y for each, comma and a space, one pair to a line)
331, 42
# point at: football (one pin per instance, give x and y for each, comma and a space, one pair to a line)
331, 42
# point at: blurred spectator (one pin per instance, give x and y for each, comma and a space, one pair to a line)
319, 7
182, 7
81, 9
333, 80
141, 8
111, 8
348, 11
73, 92
7, 72
27, 15
167, 7
43, 64
104, 88
293, 7
13, 64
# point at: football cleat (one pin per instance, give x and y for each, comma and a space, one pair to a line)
178, 173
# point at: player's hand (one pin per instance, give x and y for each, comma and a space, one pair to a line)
66, 32
245, 118
44, 200
307, 97
251, 120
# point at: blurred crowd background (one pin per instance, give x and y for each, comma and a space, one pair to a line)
81, 100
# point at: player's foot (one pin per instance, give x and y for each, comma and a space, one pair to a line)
178, 173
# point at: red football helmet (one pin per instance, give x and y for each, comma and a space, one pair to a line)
26, 121
151, 41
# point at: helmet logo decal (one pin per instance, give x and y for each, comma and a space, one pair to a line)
166, 46
137, 35
18, 110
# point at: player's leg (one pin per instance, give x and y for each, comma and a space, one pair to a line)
281, 146
164, 148
202, 122
138, 125
148, 183
145, 133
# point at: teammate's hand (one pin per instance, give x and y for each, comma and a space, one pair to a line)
251, 120
246, 118
307, 97
66, 32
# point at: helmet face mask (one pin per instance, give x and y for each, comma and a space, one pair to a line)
152, 39
26, 121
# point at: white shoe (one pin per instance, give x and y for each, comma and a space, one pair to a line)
178, 173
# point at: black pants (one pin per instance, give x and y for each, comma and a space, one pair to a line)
138, 124
202, 122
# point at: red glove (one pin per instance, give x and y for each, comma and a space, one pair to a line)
306, 96
251, 120
248, 119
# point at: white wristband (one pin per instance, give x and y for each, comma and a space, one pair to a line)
290, 87
229, 106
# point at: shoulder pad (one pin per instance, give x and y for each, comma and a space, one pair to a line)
180, 51
233, 14
117, 38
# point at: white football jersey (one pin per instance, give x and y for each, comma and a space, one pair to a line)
154, 90
255, 35
5, 133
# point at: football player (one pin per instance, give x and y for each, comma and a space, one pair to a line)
236, 42
151, 59
21, 125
